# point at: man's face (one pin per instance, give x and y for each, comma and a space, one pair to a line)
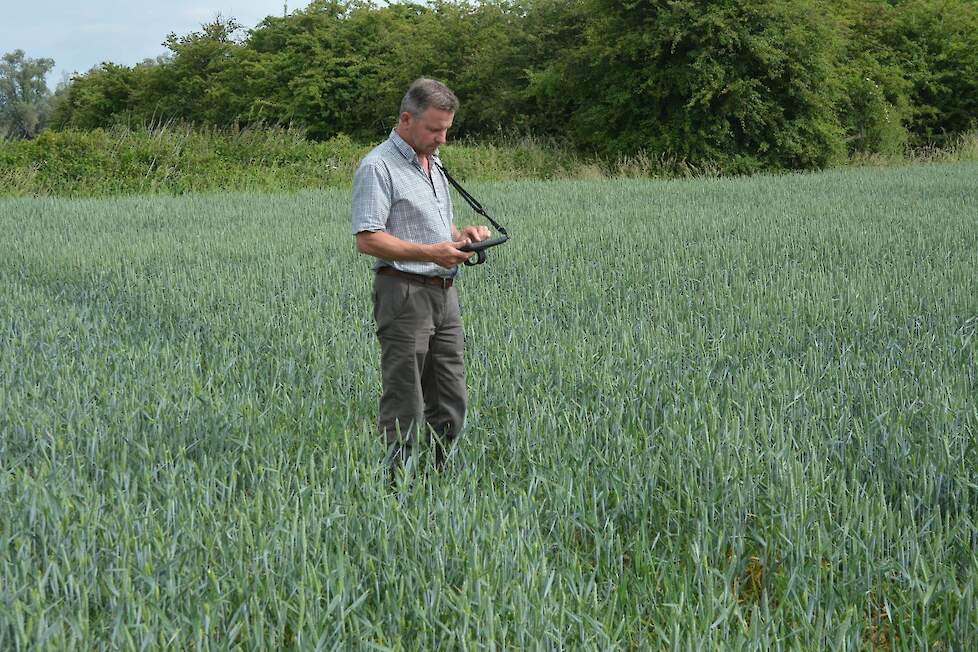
428, 131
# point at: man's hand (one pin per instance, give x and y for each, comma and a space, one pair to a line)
447, 253
475, 233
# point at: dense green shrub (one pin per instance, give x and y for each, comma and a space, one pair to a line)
118, 161
874, 106
171, 160
746, 83
938, 43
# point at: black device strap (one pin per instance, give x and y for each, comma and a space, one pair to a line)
472, 201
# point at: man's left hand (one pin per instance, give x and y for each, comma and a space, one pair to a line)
475, 233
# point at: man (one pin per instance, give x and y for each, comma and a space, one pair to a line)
402, 215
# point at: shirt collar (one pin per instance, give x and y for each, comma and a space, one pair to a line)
406, 150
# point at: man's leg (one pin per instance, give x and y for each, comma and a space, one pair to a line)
404, 327
443, 376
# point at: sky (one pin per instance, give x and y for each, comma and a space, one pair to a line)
80, 34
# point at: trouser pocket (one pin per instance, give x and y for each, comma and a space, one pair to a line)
391, 299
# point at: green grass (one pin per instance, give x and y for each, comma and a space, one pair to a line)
703, 414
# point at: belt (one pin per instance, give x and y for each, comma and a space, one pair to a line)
440, 281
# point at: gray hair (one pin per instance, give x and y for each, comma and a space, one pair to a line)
425, 93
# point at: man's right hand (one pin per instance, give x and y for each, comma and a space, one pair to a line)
447, 253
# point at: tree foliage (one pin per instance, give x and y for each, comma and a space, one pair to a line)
745, 84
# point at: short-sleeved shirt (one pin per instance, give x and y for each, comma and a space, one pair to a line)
392, 193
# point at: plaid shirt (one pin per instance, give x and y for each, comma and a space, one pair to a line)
392, 193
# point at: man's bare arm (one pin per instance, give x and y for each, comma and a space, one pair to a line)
388, 247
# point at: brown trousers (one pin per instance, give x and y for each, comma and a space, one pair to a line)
421, 343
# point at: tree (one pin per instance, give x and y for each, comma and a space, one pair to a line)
24, 95
748, 84
937, 40
743, 84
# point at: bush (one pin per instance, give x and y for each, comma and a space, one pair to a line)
177, 160
745, 84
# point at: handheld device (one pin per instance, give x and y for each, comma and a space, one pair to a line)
480, 248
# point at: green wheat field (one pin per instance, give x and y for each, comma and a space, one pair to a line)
704, 414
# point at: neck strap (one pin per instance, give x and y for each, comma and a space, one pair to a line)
472, 201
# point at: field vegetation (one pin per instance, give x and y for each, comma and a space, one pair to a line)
712, 413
